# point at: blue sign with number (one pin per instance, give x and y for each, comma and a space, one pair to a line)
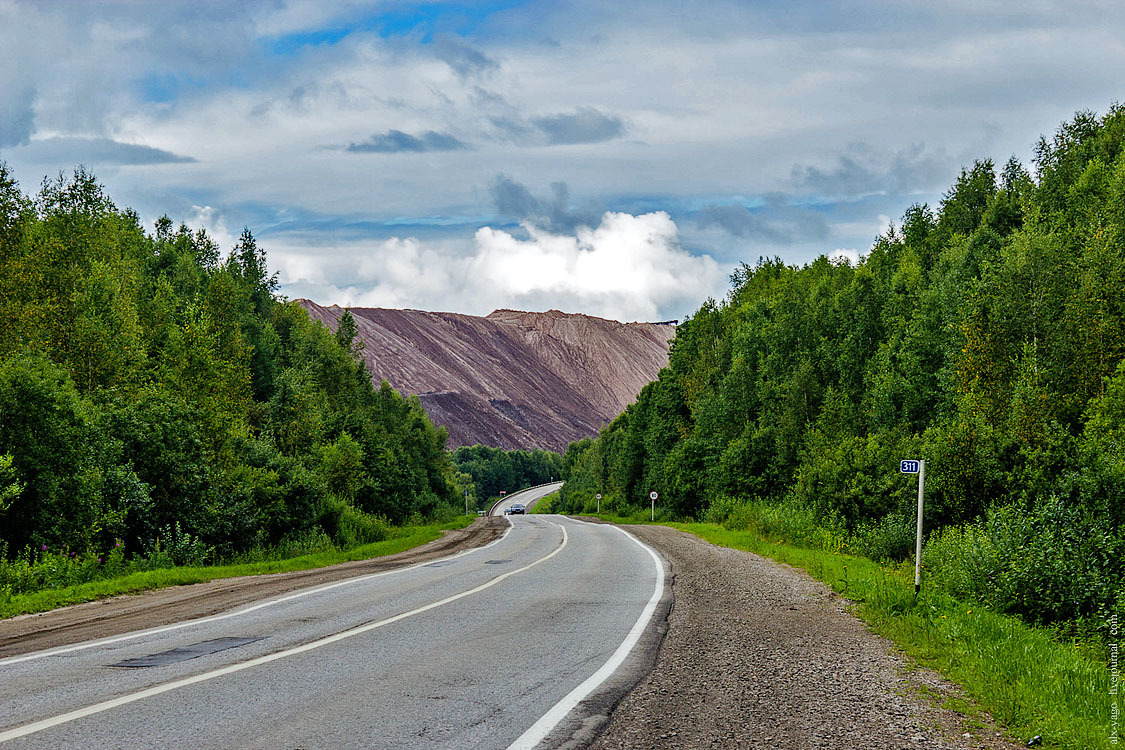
908, 467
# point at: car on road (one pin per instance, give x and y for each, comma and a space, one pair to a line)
517, 508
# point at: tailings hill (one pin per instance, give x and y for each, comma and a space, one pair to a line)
510, 379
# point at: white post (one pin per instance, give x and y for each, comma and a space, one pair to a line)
918, 544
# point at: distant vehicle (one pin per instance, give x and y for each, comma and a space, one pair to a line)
507, 511
517, 508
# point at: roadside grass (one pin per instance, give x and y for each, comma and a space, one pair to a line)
1022, 675
545, 503
402, 539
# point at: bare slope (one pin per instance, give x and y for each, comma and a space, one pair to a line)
511, 379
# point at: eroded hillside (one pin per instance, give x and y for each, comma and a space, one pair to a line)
511, 379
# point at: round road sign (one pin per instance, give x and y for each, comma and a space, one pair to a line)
598, 496
652, 496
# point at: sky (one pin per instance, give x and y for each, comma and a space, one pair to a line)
610, 158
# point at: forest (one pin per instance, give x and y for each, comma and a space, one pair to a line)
156, 396
495, 470
985, 336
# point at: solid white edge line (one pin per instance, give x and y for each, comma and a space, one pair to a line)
39, 726
540, 729
246, 610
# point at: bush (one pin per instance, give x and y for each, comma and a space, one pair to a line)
891, 538
175, 547
348, 526
1047, 565
34, 570
791, 521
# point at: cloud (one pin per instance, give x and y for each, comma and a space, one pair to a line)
626, 268
211, 220
397, 142
100, 151
864, 170
514, 200
776, 221
465, 60
584, 125
675, 120
17, 117
844, 255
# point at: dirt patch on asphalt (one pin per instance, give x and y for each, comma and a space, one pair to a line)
125, 614
761, 655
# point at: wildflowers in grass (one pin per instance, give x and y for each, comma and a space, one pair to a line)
35, 570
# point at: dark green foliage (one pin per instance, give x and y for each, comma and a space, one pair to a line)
495, 470
44, 425
153, 393
986, 338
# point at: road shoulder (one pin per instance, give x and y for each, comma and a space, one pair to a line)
760, 655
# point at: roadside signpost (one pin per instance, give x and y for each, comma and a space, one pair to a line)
466, 502
911, 466
652, 496
599, 499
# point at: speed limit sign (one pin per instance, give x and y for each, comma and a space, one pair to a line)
598, 496
652, 496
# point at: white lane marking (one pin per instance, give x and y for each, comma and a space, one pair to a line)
540, 729
39, 726
239, 612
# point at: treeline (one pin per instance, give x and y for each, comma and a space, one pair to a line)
152, 389
985, 336
495, 470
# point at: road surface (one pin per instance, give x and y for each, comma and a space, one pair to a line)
527, 498
530, 638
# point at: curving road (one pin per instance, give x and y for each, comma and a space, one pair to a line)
525, 642
528, 497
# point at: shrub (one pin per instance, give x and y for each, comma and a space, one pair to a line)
348, 526
890, 538
175, 547
1048, 565
791, 521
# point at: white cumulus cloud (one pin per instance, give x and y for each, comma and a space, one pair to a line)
627, 268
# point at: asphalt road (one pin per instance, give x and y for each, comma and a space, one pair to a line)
531, 638
527, 498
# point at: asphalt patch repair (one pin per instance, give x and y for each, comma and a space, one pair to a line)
185, 653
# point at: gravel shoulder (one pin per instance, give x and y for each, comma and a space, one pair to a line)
124, 614
761, 655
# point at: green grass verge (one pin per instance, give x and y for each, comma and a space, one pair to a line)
545, 503
405, 538
1023, 676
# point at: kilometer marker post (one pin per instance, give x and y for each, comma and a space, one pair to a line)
919, 468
